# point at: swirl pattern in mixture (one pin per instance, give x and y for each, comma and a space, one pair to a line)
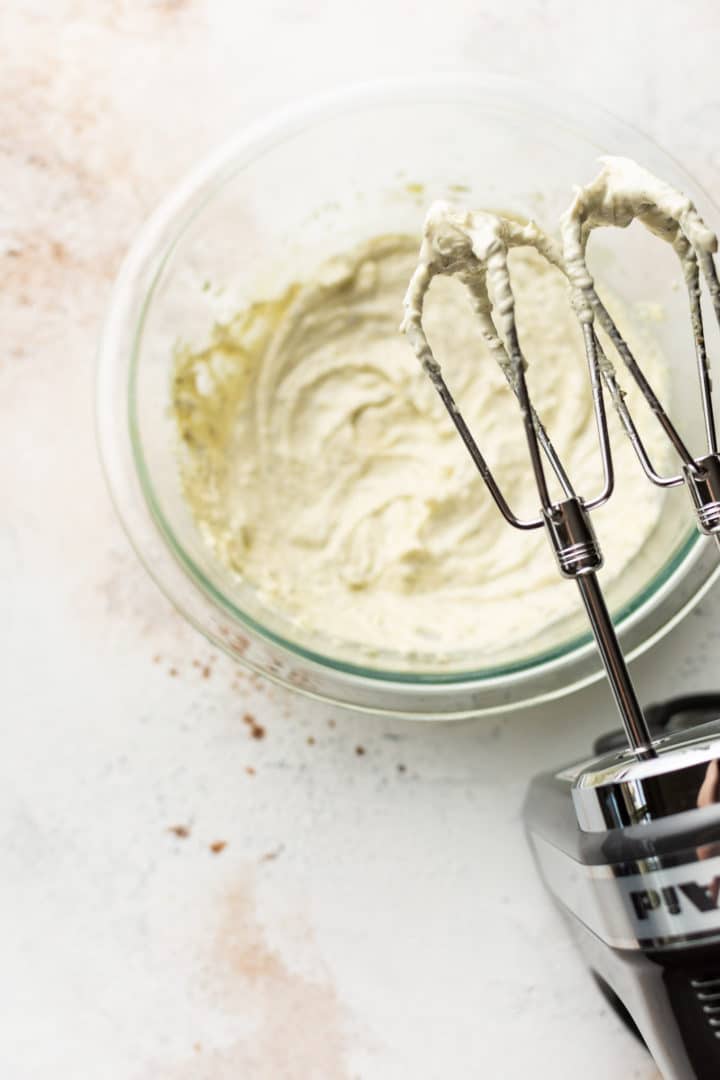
323, 470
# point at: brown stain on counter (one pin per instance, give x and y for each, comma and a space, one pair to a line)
298, 1032
255, 730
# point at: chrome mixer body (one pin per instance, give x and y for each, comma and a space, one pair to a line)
630, 851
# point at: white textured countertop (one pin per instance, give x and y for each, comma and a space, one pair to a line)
373, 915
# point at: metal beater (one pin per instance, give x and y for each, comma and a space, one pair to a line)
475, 248
671, 215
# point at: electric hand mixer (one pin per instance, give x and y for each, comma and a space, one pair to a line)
627, 843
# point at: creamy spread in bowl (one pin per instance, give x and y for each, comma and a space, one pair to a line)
323, 471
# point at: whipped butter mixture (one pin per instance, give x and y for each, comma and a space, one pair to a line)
621, 193
473, 246
324, 471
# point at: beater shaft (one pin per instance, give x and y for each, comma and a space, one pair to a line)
613, 659
578, 554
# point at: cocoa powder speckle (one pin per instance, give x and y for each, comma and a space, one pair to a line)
235, 642
257, 731
270, 856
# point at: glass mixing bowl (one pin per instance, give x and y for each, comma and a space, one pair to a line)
308, 183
